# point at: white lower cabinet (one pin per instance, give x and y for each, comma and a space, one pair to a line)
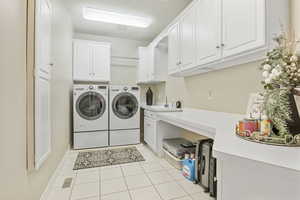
150, 133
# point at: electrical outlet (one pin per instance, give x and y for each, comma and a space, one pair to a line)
210, 95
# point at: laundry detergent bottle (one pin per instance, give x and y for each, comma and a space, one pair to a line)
188, 169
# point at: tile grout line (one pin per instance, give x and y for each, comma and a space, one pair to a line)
72, 187
123, 175
152, 183
140, 164
173, 180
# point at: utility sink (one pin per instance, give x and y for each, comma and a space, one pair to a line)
161, 108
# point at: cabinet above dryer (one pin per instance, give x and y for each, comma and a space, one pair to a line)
91, 61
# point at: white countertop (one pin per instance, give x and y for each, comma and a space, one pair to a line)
221, 126
160, 108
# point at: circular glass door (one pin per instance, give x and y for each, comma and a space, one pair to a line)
125, 105
90, 105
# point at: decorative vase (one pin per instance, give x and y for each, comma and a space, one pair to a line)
149, 97
294, 123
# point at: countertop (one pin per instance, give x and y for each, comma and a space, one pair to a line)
221, 126
160, 108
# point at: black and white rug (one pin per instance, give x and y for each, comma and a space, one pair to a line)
101, 158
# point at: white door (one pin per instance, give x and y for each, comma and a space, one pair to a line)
188, 40
243, 25
208, 32
82, 61
101, 63
42, 82
174, 52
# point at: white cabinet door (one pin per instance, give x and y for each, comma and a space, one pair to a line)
101, 63
42, 82
82, 61
143, 64
146, 130
91, 61
150, 67
188, 40
150, 132
243, 25
174, 52
208, 31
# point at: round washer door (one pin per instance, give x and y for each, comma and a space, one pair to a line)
90, 105
125, 105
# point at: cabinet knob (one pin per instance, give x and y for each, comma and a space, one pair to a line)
218, 47
223, 45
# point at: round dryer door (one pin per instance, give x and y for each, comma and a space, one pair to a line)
91, 105
125, 105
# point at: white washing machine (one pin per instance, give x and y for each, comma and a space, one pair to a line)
90, 116
124, 115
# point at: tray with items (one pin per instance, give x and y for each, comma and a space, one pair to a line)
261, 131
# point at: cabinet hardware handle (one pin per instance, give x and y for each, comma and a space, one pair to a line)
223, 45
218, 47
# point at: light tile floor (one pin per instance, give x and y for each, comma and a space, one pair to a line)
153, 179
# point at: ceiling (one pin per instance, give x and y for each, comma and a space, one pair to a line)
162, 13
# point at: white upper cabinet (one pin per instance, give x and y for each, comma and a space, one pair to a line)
153, 63
244, 26
82, 64
101, 62
208, 32
214, 34
187, 40
91, 61
142, 71
174, 50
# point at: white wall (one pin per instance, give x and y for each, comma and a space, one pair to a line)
121, 75
15, 182
13, 100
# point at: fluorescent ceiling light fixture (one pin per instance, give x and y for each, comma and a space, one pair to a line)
115, 18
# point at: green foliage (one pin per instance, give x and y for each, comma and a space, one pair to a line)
281, 72
278, 109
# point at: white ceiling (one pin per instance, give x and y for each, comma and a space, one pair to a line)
161, 11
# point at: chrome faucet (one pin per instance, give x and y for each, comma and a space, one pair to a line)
166, 104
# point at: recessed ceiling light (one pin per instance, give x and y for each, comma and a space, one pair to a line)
115, 18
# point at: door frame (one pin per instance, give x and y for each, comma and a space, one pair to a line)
30, 86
